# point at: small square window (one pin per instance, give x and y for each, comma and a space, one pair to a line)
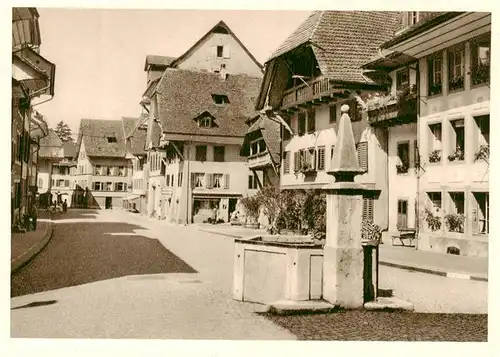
111, 139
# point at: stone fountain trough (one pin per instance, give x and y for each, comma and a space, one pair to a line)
278, 267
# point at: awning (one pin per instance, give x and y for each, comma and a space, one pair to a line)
131, 197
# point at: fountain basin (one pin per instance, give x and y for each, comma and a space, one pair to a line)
272, 268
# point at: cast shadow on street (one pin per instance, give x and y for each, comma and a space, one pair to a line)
35, 304
85, 252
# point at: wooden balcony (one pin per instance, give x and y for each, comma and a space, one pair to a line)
317, 91
391, 111
259, 160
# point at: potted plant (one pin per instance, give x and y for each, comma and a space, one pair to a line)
402, 168
433, 222
458, 155
252, 211
435, 89
456, 83
455, 222
435, 156
483, 153
307, 169
480, 73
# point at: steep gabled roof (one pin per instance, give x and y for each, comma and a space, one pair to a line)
94, 134
220, 26
183, 95
135, 136
49, 145
160, 61
342, 41
269, 129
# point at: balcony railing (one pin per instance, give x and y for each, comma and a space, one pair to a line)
259, 160
315, 89
393, 109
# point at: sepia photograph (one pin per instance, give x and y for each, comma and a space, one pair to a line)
250, 174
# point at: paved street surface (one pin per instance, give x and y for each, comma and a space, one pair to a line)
134, 288
386, 326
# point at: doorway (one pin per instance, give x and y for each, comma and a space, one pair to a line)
232, 206
108, 203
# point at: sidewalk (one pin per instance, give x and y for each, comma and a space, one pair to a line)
25, 246
408, 258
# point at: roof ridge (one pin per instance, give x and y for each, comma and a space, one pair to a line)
313, 33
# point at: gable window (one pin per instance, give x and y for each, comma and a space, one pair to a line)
111, 139
435, 69
219, 152
201, 153
220, 99
456, 68
480, 59
333, 113
404, 158
220, 51
302, 123
457, 149
402, 214
286, 162
402, 78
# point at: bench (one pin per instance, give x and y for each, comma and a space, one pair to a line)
404, 234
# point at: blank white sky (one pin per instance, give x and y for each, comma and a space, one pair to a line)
99, 54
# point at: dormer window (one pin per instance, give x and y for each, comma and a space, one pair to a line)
413, 17
205, 122
111, 139
220, 99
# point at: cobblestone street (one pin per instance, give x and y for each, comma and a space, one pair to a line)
386, 326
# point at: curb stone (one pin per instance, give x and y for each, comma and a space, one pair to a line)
33, 251
393, 265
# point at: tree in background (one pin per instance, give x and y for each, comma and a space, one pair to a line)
63, 132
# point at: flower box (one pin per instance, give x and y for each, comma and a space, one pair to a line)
435, 156
458, 155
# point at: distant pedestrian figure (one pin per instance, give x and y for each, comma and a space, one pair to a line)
214, 215
65, 206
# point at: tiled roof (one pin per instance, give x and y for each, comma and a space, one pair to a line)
49, 145
156, 60
183, 95
94, 134
136, 136
426, 21
342, 41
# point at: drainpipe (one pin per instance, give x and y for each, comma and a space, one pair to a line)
417, 203
187, 180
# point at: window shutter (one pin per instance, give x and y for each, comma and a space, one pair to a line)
368, 209
312, 158
296, 163
66, 183
362, 149
93, 185
226, 51
193, 178
226, 181
208, 180
321, 158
